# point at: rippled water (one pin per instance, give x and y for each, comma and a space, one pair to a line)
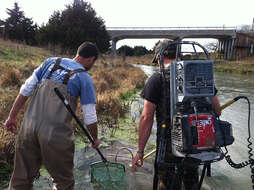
231, 86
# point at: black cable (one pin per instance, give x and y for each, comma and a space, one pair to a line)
236, 165
249, 145
124, 148
251, 160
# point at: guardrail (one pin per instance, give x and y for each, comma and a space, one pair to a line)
172, 28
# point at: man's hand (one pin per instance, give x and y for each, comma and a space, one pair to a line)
96, 143
11, 125
137, 161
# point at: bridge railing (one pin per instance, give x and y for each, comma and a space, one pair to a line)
172, 28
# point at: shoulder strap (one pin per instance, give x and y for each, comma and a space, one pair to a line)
70, 73
56, 66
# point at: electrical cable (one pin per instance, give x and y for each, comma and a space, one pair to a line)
124, 148
251, 160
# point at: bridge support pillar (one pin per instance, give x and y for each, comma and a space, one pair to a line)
220, 48
227, 47
113, 48
232, 49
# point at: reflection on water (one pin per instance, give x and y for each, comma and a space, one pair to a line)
149, 70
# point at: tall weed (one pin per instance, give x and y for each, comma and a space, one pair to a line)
10, 77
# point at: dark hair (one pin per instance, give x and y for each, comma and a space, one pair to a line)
88, 49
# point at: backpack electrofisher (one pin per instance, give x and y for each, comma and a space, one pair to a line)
193, 118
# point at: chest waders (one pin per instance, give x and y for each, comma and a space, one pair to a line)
46, 137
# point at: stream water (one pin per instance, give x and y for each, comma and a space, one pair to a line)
224, 177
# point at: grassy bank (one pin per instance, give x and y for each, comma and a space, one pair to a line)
143, 60
245, 66
17, 62
114, 80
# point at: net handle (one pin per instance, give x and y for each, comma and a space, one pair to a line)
67, 105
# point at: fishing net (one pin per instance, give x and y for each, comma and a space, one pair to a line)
108, 175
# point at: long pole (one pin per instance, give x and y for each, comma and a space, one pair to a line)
67, 105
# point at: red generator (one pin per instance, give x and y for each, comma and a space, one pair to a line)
192, 133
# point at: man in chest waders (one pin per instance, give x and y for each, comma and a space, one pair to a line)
46, 134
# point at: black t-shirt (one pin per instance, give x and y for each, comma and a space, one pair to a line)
152, 89
153, 92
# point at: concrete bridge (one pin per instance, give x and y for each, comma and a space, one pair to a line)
226, 35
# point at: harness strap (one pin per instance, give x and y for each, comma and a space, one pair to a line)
56, 66
69, 72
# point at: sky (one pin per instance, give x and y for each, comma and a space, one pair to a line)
147, 13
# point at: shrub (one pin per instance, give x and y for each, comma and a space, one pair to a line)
11, 77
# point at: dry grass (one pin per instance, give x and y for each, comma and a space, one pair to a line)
112, 83
144, 60
6, 155
10, 77
10, 43
6, 146
245, 66
114, 79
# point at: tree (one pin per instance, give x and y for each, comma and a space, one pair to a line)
74, 25
2, 23
125, 50
140, 50
129, 51
52, 32
18, 27
29, 31
245, 28
211, 46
